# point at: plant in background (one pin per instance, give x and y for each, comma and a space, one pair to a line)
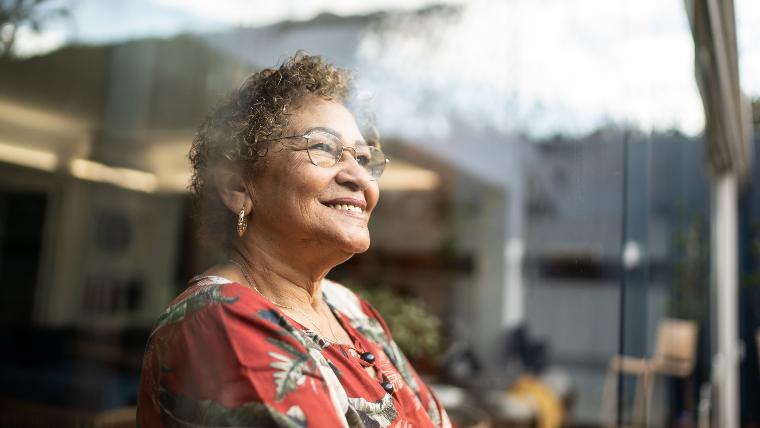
415, 329
691, 279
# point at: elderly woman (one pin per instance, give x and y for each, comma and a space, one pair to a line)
286, 184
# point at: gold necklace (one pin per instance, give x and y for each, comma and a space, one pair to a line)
329, 325
252, 284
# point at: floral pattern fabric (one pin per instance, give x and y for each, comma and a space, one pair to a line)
223, 355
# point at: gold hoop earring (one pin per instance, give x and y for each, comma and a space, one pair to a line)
242, 223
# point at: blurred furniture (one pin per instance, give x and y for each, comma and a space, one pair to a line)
460, 406
542, 402
674, 355
469, 417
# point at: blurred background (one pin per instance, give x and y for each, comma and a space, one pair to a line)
569, 228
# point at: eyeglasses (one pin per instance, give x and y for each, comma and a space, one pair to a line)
326, 150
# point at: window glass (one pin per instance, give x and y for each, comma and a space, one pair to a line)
545, 211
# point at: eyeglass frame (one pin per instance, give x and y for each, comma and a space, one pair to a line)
338, 157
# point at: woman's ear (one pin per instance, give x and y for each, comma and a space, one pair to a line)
233, 191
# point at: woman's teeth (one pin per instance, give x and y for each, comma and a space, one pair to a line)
345, 207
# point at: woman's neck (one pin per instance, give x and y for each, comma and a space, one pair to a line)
279, 276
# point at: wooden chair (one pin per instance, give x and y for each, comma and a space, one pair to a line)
674, 355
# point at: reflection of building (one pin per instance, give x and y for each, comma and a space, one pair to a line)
104, 130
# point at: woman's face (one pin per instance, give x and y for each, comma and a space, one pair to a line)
298, 203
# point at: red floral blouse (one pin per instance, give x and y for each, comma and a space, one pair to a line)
223, 355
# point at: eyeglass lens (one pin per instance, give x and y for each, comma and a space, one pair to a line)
326, 150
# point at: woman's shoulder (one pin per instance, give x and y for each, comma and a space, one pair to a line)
214, 315
206, 296
222, 355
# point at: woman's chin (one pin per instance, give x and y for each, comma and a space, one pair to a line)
356, 247
355, 244
362, 248
345, 244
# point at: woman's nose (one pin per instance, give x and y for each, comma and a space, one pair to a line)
351, 171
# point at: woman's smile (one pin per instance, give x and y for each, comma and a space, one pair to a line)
348, 206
